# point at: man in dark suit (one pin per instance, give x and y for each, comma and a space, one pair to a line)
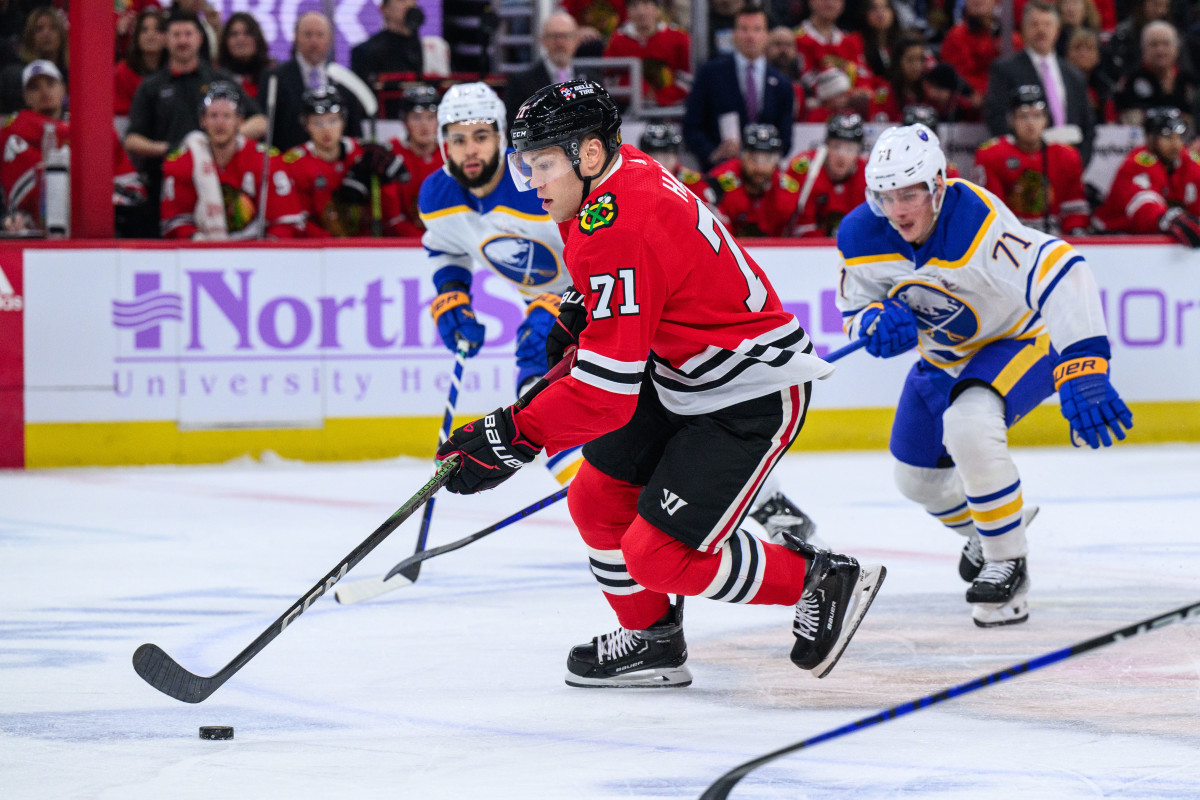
732, 91
560, 42
304, 71
1064, 85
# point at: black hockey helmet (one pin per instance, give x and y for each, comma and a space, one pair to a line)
846, 126
659, 137
762, 138
421, 97
322, 100
1028, 95
1163, 121
922, 114
222, 90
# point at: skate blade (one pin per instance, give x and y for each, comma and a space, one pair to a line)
870, 578
661, 678
993, 615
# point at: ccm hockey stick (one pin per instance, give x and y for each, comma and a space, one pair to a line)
720, 789
165, 674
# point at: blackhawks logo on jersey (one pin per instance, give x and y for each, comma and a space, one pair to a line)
1145, 159
600, 213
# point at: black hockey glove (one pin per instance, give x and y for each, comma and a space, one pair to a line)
572, 319
1182, 225
352, 191
380, 162
491, 449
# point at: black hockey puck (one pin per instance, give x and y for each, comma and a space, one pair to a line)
216, 732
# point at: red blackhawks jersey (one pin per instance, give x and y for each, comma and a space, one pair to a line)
666, 60
826, 202
1144, 189
674, 299
842, 49
1016, 177
315, 180
768, 214
239, 180
420, 167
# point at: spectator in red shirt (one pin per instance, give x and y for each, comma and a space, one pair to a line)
823, 44
754, 195
242, 51
973, 44
147, 53
665, 52
907, 84
125, 22
881, 32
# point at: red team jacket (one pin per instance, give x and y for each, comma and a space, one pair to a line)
1016, 178
827, 201
663, 284
665, 56
1143, 191
239, 190
420, 168
315, 180
770, 214
971, 53
843, 50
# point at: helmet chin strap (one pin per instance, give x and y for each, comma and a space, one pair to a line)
587, 181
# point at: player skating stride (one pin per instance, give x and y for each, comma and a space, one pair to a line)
1004, 316
689, 382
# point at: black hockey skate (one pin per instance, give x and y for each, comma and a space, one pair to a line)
998, 595
971, 560
778, 514
837, 593
625, 659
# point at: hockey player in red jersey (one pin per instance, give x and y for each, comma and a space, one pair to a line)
211, 188
662, 142
420, 151
22, 139
1157, 187
1040, 182
830, 178
664, 50
754, 195
332, 174
688, 360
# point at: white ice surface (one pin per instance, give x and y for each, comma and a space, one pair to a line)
453, 688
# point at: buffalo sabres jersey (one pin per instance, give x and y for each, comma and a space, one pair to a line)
507, 232
981, 276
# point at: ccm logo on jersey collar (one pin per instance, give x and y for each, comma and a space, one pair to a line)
600, 213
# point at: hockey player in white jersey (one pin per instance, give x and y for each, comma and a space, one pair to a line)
1004, 316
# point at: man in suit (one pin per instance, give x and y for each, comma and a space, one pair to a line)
733, 91
1064, 85
560, 41
304, 71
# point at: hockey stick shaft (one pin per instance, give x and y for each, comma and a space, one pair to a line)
842, 352
721, 788
272, 88
162, 672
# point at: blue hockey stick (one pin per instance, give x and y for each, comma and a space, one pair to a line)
720, 789
841, 352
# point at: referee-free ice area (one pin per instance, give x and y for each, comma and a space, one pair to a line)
453, 687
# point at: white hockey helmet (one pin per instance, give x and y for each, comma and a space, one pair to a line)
470, 102
905, 156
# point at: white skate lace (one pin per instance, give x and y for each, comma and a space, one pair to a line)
973, 551
996, 571
808, 612
616, 644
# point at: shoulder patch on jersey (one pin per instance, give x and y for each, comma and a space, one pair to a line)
689, 176
600, 213
293, 155
799, 165
995, 140
260, 147
788, 183
176, 154
1194, 155
1145, 159
728, 181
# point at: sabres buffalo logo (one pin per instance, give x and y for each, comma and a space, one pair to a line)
525, 262
600, 213
941, 316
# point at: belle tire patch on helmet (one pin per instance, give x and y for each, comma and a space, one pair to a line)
600, 213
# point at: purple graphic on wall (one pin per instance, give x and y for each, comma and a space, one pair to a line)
149, 308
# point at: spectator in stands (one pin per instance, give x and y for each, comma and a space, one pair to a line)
1075, 15
1159, 81
602, 16
1064, 85
1122, 55
664, 50
951, 96
209, 19
306, 69
334, 176
1042, 183
420, 151
783, 56
906, 84
125, 23
722, 14
21, 141
146, 54
823, 44
973, 44
211, 186
396, 48
831, 178
242, 51
753, 194
166, 107
1084, 54
45, 39
733, 91
832, 94
560, 39
881, 32
1157, 187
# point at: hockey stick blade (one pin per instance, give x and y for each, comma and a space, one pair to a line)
164, 673
721, 788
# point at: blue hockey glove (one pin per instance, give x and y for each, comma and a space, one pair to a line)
1089, 401
889, 328
455, 318
572, 319
492, 450
540, 316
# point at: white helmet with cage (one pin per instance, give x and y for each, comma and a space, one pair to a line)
470, 102
905, 156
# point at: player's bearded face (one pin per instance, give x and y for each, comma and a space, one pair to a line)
472, 152
1168, 147
910, 210
757, 170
